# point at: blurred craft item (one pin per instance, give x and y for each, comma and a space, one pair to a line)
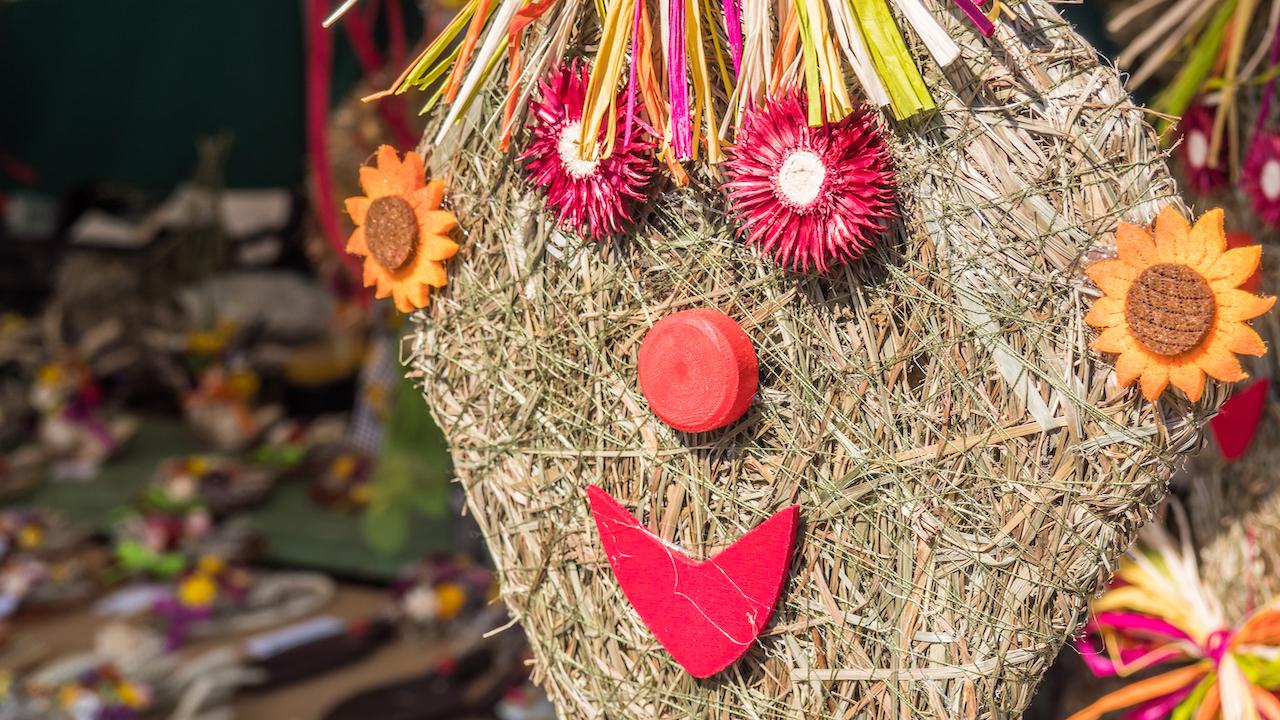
75, 430
220, 411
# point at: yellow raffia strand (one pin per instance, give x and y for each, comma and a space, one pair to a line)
824, 79
602, 89
701, 83
720, 52
908, 94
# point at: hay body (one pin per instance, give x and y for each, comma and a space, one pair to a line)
966, 473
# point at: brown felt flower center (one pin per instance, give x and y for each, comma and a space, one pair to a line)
1170, 308
391, 229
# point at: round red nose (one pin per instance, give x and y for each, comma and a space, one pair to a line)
698, 370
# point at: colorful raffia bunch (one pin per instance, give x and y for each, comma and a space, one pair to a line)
675, 61
1172, 309
596, 196
810, 197
103, 692
401, 231
1159, 612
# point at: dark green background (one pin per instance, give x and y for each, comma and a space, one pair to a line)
121, 89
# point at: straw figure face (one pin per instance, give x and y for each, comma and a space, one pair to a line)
962, 466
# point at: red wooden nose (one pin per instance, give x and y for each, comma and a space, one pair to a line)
698, 370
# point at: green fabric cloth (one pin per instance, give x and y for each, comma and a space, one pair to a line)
297, 531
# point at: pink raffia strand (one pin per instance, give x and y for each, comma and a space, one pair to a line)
1162, 707
977, 17
733, 31
629, 120
1264, 151
678, 82
598, 203
853, 205
1200, 176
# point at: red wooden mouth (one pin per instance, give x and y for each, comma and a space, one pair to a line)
706, 614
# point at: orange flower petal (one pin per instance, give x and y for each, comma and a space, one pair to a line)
371, 273
421, 296
1114, 340
1154, 380
1240, 338
387, 160
1240, 305
436, 222
433, 274
403, 303
1130, 365
1171, 233
411, 172
1113, 277
376, 183
1189, 378
438, 247
1134, 244
1220, 364
1233, 267
357, 244
357, 208
1106, 311
434, 194
1206, 240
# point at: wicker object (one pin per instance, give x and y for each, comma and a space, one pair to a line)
966, 471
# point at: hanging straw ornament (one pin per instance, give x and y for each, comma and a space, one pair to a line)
810, 197
596, 196
1204, 172
1159, 612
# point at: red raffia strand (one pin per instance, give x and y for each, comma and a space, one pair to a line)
678, 81
976, 16
319, 66
515, 63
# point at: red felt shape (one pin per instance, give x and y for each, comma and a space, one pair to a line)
1244, 239
706, 614
1237, 422
698, 370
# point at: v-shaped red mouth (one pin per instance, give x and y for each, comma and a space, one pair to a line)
706, 614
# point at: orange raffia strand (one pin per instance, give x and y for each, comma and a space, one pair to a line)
1145, 690
1261, 629
788, 47
1212, 702
468, 47
1268, 705
515, 35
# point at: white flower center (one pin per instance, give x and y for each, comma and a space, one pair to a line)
801, 176
570, 152
1271, 179
1197, 149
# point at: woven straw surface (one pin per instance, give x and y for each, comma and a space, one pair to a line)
965, 470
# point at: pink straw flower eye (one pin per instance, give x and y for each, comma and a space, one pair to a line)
810, 197
594, 197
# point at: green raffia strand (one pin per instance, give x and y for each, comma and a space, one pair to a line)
415, 78
484, 78
1187, 708
1176, 98
907, 92
431, 78
1263, 672
812, 82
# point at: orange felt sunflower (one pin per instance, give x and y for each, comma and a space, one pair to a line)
401, 232
1172, 309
